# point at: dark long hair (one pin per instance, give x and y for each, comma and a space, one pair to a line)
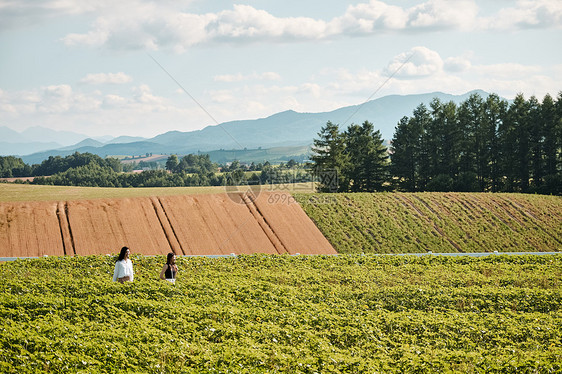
122, 253
169, 258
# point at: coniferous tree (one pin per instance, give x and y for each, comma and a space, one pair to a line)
420, 122
435, 133
548, 117
367, 158
445, 136
472, 153
405, 154
536, 142
494, 114
507, 138
518, 118
330, 159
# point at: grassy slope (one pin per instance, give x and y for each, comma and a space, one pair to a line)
27, 192
298, 314
24, 192
437, 222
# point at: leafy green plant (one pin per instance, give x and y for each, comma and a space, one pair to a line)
255, 314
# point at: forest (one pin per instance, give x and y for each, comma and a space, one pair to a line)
481, 145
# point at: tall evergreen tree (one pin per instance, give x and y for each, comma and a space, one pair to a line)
536, 128
420, 122
330, 159
434, 133
368, 158
494, 114
473, 154
550, 148
518, 117
405, 154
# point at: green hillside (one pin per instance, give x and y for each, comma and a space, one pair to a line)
299, 314
273, 155
437, 222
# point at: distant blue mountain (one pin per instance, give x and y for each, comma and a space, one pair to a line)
284, 129
89, 142
126, 139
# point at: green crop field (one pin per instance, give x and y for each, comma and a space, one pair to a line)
26, 192
437, 222
300, 314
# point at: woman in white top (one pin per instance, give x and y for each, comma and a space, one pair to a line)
123, 267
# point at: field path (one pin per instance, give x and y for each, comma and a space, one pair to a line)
205, 224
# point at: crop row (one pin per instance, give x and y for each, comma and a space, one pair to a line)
437, 222
347, 313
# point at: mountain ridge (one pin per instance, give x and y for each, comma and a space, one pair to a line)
286, 128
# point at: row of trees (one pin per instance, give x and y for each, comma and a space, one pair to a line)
86, 169
354, 160
11, 166
479, 145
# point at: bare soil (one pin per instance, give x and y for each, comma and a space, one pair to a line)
204, 224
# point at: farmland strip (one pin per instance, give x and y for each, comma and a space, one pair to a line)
266, 227
167, 227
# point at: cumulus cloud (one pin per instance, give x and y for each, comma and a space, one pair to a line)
527, 14
143, 24
418, 62
114, 101
380, 16
104, 78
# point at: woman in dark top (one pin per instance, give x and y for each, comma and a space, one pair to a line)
169, 270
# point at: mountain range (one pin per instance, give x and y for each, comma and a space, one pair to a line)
284, 129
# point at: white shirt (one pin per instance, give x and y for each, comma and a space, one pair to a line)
123, 268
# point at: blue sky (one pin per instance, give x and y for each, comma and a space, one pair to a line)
90, 67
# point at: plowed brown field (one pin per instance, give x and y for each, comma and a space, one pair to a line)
207, 224
30, 230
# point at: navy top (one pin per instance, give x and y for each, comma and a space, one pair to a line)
170, 274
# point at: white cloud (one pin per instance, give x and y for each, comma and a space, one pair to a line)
114, 101
139, 24
379, 16
104, 78
418, 62
441, 14
143, 24
528, 14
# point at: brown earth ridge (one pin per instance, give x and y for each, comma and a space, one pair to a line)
206, 224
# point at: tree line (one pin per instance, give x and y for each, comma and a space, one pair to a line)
482, 144
90, 170
11, 166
